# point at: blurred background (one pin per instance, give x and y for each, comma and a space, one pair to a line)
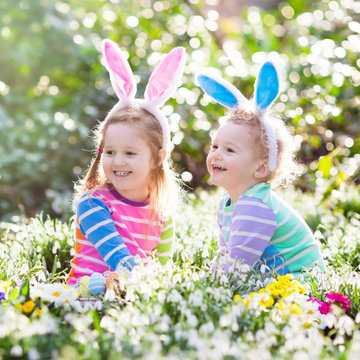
54, 89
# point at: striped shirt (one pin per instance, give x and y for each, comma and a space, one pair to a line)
260, 228
111, 230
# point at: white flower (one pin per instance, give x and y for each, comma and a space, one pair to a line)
345, 325
56, 293
33, 354
196, 298
174, 296
207, 328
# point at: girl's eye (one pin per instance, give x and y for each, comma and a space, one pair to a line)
229, 150
214, 146
109, 152
130, 153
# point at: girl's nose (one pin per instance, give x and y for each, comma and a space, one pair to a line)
118, 159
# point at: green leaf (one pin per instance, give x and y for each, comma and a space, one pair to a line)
14, 294
25, 289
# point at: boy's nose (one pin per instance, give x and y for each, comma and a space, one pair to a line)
216, 154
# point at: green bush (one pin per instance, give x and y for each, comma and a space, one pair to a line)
54, 89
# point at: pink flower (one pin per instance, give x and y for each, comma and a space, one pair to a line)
324, 307
315, 300
337, 297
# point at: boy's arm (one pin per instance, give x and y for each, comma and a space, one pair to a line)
164, 248
253, 225
97, 225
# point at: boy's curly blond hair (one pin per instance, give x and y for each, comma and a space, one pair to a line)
287, 169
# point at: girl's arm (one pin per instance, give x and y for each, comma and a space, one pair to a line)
164, 248
98, 226
253, 225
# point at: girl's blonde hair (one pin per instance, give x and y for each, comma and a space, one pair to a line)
287, 169
164, 185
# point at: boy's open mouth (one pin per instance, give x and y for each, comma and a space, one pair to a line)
218, 169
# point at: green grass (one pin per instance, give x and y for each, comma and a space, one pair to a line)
180, 310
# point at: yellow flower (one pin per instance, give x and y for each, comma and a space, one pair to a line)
285, 278
267, 303
275, 289
237, 297
262, 291
288, 309
56, 294
298, 287
246, 302
285, 286
28, 306
252, 295
306, 324
281, 306
295, 309
5, 284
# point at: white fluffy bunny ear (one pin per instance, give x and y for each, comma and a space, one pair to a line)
221, 90
166, 77
121, 75
266, 86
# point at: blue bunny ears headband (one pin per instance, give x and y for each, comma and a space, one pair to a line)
266, 91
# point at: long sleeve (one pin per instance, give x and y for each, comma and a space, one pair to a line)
165, 246
253, 225
97, 225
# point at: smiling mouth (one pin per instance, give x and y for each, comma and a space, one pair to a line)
218, 168
122, 173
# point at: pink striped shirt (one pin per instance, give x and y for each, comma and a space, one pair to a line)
111, 230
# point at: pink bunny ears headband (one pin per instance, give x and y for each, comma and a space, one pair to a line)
266, 91
162, 83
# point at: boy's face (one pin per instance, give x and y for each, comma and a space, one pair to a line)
233, 159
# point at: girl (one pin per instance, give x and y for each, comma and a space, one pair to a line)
122, 203
249, 153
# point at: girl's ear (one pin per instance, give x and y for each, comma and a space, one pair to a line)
266, 86
221, 90
162, 156
262, 171
166, 77
121, 75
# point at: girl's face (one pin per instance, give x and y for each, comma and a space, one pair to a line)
127, 161
233, 161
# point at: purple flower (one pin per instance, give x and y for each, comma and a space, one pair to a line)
2, 296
